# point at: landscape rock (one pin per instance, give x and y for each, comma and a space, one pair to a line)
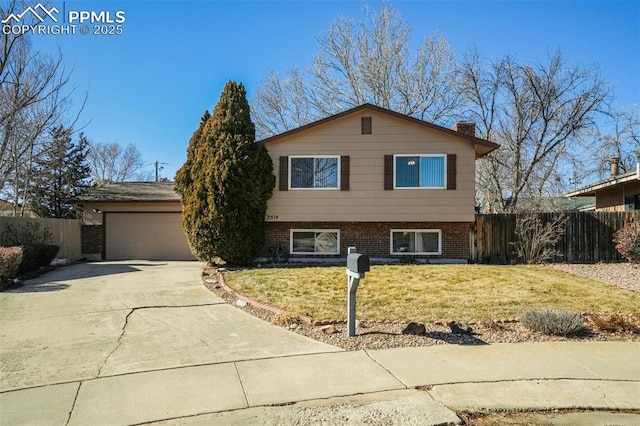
415, 328
460, 328
210, 281
328, 329
388, 334
241, 303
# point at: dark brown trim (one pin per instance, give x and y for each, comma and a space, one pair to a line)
344, 172
104, 236
283, 174
487, 145
366, 125
451, 171
388, 172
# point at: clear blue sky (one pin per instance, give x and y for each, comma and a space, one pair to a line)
150, 85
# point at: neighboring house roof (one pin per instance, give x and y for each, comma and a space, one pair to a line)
482, 147
590, 190
130, 192
556, 204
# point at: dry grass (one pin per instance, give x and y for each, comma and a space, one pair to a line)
615, 322
431, 292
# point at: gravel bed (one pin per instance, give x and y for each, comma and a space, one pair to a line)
384, 335
625, 275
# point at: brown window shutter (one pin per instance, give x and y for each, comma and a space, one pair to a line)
366, 125
388, 172
451, 171
284, 173
344, 173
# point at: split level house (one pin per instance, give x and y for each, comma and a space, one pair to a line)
389, 184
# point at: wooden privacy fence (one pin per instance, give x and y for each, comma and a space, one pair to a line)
588, 237
66, 233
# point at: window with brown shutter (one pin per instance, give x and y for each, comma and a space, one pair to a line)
418, 171
388, 172
314, 172
344, 173
366, 125
284, 173
451, 171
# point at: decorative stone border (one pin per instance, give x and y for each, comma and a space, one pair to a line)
253, 302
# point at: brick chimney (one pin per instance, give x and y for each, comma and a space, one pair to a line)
466, 128
614, 164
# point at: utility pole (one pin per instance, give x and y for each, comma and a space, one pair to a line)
158, 168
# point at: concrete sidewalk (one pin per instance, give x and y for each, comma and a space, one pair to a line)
602, 376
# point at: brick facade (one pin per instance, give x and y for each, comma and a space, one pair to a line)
91, 240
372, 238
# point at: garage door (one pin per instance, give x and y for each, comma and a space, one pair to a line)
153, 236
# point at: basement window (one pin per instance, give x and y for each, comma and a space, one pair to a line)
315, 241
416, 241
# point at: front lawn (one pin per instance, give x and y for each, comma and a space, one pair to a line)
426, 293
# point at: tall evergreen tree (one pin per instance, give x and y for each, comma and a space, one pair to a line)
226, 182
61, 173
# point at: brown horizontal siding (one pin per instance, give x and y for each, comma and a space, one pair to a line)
367, 199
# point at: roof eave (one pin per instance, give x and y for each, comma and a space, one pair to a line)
590, 190
482, 146
484, 149
130, 192
115, 200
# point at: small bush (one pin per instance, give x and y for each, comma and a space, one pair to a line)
627, 241
285, 319
536, 241
554, 322
10, 258
35, 256
615, 323
29, 233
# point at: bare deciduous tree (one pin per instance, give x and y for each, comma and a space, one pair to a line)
618, 138
362, 61
537, 113
110, 162
281, 103
34, 97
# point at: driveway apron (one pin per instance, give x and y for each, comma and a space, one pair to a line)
102, 319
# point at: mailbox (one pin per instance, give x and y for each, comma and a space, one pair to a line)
358, 263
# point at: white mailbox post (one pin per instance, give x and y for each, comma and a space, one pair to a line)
357, 265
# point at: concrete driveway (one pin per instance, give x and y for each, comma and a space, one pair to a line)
125, 343
94, 320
